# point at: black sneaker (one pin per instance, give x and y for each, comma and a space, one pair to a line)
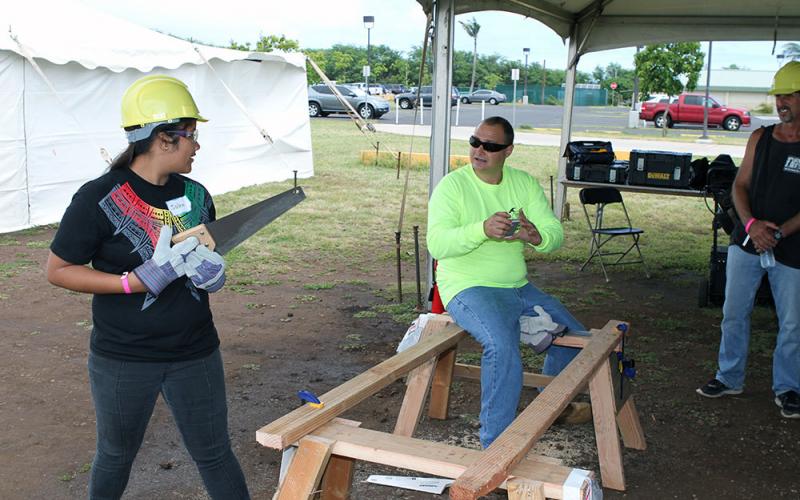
715, 389
789, 403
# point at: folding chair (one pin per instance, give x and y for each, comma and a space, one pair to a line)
601, 198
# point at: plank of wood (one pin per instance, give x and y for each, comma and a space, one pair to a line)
440, 387
338, 476
578, 341
286, 430
417, 385
630, 426
512, 445
434, 458
306, 469
528, 379
604, 414
520, 489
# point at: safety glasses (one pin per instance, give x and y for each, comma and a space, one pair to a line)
491, 147
193, 135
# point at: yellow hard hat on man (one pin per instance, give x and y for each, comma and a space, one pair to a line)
786, 79
153, 100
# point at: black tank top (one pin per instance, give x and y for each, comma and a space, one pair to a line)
775, 193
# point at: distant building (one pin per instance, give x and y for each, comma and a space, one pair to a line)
740, 88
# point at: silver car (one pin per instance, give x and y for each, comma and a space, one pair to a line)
491, 96
322, 102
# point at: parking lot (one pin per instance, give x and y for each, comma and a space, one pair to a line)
586, 119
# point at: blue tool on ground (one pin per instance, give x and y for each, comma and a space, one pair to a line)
309, 398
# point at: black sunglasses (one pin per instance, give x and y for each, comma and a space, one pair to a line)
491, 147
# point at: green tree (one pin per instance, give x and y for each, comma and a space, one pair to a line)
659, 68
472, 28
268, 43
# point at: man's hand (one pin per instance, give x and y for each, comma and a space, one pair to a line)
527, 231
497, 225
762, 232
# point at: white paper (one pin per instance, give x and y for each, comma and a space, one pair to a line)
425, 484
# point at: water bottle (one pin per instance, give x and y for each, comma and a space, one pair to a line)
767, 259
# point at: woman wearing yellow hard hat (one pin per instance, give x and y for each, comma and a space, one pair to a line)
152, 327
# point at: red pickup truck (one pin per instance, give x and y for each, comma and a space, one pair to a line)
688, 108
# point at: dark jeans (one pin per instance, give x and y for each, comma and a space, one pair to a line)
124, 395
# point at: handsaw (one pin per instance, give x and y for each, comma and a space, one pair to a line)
224, 234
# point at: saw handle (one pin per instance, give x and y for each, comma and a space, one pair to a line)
200, 232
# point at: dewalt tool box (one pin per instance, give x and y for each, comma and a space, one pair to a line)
659, 168
613, 173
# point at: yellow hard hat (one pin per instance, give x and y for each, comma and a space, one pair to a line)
787, 79
153, 100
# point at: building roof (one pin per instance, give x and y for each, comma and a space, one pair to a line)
737, 80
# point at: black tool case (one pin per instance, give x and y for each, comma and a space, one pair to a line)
660, 168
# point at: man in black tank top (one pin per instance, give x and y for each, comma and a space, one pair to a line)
766, 239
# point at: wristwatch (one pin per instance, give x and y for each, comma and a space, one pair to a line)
778, 234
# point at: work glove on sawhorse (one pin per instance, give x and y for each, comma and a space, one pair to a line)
539, 331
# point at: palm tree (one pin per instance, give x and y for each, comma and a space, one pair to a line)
472, 28
791, 51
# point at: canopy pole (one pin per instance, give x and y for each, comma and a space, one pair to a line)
443, 19
566, 120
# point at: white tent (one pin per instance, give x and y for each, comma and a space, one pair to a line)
59, 110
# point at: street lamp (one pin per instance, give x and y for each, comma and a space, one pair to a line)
525, 51
369, 23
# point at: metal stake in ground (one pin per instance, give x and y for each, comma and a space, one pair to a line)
399, 276
416, 258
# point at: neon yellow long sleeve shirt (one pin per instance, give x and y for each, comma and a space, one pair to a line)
459, 205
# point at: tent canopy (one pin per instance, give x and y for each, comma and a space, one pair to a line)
612, 24
63, 70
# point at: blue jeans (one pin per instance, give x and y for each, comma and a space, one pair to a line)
743, 275
491, 316
124, 395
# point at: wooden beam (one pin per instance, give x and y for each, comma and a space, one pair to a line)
604, 414
306, 469
440, 387
520, 489
630, 426
528, 379
418, 383
286, 430
338, 475
434, 458
577, 340
518, 438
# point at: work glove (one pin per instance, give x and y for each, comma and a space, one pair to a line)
167, 263
206, 269
539, 331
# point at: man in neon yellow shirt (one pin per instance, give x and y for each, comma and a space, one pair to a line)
482, 275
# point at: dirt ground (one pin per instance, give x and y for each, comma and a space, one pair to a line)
282, 338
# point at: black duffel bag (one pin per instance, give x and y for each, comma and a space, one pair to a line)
596, 152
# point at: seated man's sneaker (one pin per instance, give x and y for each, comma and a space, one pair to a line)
715, 389
789, 402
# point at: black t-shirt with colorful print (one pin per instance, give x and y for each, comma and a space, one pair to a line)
113, 223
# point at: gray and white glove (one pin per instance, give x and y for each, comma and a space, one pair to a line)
167, 263
206, 269
539, 331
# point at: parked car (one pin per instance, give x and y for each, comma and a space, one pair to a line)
688, 108
322, 102
490, 96
407, 100
395, 88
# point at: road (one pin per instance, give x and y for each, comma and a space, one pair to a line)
586, 119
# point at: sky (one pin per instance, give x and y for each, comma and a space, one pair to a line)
399, 24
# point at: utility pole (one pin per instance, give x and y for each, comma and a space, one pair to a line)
525, 51
544, 77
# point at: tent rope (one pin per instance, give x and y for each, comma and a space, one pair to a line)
28, 57
428, 28
360, 122
236, 100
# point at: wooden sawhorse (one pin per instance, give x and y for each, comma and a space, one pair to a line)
327, 446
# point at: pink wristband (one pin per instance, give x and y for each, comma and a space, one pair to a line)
125, 285
749, 223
